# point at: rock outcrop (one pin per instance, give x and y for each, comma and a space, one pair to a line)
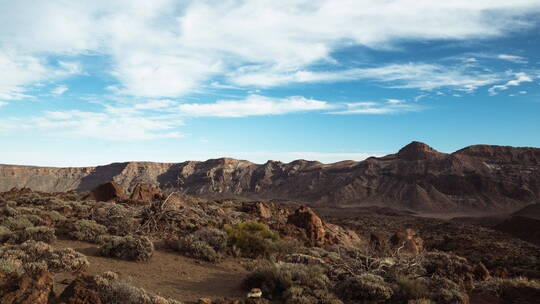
480, 178
25, 289
110, 191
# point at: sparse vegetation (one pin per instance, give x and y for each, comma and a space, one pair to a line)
136, 248
87, 230
252, 238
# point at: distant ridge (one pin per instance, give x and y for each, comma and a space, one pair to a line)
479, 178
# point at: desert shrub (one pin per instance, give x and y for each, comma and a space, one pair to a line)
8, 266
302, 295
113, 291
215, 238
446, 265
420, 301
509, 289
197, 249
56, 260
252, 238
9, 210
445, 291
87, 230
32, 199
274, 279
39, 233
408, 289
364, 287
4, 233
54, 216
118, 219
17, 222
136, 248
204, 244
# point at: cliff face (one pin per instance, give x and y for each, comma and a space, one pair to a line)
417, 177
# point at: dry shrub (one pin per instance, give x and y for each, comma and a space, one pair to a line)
118, 219
18, 222
364, 287
113, 291
40, 233
445, 291
5, 233
276, 280
56, 260
252, 238
420, 301
204, 244
408, 289
447, 265
135, 248
8, 266
510, 289
87, 230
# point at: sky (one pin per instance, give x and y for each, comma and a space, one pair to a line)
86, 83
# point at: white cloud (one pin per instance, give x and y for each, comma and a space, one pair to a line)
59, 90
108, 124
167, 48
21, 71
512, 58
370, 107
158, 104
411, 76
3, 103
394, 101
253, 105
520, 78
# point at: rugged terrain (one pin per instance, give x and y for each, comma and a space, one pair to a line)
109, 246
476, 178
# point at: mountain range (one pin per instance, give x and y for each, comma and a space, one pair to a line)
475, 178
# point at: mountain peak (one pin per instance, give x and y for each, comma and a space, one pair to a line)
418, 150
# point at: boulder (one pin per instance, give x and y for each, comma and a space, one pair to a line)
80, 291
146, 193
378, 242
258, 209
306, 219
107, 192
407, 241
26, 289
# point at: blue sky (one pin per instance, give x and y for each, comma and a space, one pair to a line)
94, 82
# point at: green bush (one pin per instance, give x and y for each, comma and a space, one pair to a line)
87, 230
252, 238
364, 287
136, 248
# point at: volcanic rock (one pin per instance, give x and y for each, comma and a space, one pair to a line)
146, 193
81, 291
110, 191
25, 289
408, 241
306, 219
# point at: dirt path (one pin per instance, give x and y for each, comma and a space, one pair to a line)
167, 273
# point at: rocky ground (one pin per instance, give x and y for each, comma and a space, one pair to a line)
106, 246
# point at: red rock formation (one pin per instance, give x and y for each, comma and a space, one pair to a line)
81, 291
407, 241
146, 193
110, 191
306, 219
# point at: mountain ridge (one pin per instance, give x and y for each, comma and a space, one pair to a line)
417, 177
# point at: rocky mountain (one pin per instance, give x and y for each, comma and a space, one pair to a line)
480, 177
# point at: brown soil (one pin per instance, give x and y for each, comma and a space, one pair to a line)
167, 274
